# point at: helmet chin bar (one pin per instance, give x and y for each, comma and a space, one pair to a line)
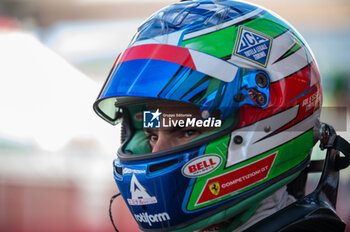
316, 211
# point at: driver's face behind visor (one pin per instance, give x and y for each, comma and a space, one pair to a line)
168, 137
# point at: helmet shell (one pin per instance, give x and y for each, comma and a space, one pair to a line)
272, 139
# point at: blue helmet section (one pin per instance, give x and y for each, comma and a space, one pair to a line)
154, 78
166, 80
156, 204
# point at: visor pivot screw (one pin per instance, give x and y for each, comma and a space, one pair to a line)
239, 97
267, 129
238, 139
261, 99
261, 80
205, 114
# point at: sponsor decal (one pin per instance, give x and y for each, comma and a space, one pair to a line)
201, 166
312, 101
152, 218
214, 188
253, 46
152, 119
128, 170
237, 179
139, 195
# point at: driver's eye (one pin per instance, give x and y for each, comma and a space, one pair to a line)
152, 138
190, 133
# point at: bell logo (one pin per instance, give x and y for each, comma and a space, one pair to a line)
214, 188
201, 166
253, 46
139, 195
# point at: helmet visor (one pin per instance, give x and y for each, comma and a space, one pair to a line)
171, 73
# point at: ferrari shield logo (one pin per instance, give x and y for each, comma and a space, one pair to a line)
214, 188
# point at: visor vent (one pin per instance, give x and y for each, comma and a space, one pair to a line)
160, 166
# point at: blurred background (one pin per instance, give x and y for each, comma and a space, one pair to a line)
56, 154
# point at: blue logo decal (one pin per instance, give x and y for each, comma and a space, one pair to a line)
151, 119
253, 46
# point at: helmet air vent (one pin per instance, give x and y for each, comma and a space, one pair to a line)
119, 170
160, 166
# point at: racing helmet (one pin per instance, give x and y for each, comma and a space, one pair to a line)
235, 68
